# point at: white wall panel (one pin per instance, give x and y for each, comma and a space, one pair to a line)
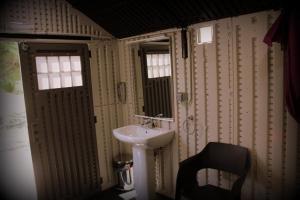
238, 98
190, 86
245, 65
201, 104
173, 165
56, 17
105, 76
182, 112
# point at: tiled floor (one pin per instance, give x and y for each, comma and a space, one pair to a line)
112, 194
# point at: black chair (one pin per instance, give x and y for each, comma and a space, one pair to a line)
226, 157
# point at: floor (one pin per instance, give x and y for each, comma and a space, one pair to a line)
112, 194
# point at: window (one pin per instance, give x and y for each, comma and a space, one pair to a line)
205, 35
58, 72
158, 65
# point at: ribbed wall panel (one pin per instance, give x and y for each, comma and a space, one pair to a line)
237, 97
108, 109
56, 17
180, 85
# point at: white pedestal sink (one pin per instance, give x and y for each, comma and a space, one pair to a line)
143, 141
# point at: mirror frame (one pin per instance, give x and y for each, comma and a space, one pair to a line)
130, 47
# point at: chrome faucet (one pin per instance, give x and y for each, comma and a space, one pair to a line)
148, 123
159, 115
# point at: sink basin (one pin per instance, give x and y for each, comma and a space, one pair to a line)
143, 141
148, 137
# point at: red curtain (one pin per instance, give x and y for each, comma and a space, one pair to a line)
286, 31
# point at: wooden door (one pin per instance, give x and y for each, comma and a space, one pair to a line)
60, 119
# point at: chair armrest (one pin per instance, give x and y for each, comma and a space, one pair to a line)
237, 188
186, 176
237, 185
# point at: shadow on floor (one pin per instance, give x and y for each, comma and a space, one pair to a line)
113, 194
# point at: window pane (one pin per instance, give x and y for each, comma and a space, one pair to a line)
161, 71
155, 72
168, 70
65, 65
150, 72
53, 64
158, 65
161, 59
76, 79
43, 82
58, 71
41, 64
205, 35
149, 60
75, 63
54, 80
166, 59
154, 59
66, 79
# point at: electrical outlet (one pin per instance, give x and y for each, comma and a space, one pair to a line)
182, 97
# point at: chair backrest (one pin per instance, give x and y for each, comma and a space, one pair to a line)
226, 157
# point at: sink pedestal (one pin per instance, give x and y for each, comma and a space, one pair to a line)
144, 172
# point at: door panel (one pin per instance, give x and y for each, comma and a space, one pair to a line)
61, 127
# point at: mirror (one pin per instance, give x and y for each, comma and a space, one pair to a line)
152, 67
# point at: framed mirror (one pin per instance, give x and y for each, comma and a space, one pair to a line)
152, 65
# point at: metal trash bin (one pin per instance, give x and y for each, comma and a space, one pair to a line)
123, 166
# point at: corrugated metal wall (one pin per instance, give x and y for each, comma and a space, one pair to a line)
237, 97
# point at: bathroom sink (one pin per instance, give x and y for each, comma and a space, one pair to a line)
141, 136
143, 141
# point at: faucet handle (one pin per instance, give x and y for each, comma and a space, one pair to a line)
146, 121
159, 115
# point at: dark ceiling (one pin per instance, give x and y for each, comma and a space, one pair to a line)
124, 18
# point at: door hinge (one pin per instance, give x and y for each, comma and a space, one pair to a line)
139, 52
24, 46
95, 119
90, 53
